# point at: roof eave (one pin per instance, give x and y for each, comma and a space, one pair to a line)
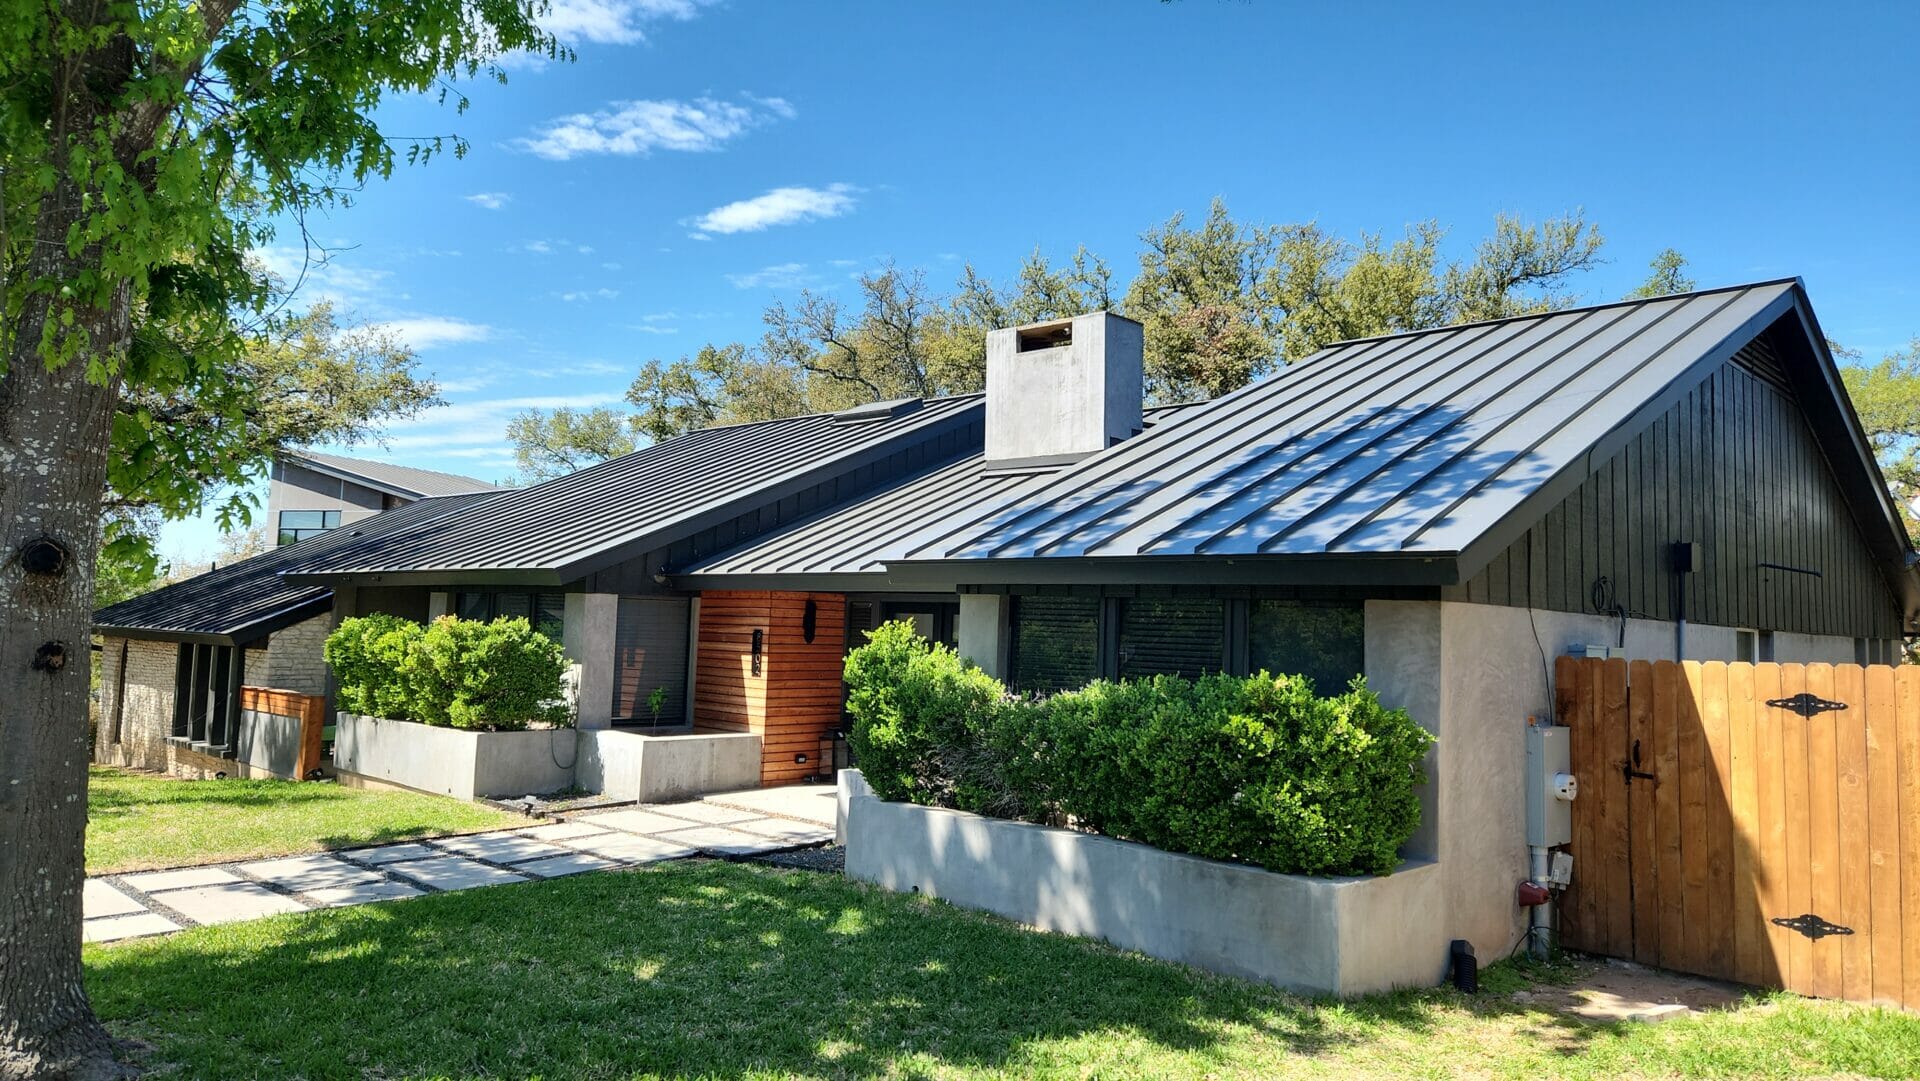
1319, 568
238, 635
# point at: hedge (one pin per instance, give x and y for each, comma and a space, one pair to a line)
1258, 769
459, 673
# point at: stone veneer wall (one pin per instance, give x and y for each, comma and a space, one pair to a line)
292, 661
294, 658
146, 714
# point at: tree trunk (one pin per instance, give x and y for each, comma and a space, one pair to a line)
54, 431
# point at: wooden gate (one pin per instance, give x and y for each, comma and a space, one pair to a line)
1753, 822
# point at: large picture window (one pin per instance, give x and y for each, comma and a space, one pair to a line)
206, 696
1326, 642
1056, 643
546, 611
298, 525
1172, 637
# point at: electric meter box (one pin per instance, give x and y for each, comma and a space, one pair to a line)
1551, 786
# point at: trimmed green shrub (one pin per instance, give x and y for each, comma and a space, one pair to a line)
916, 705
1258, 769
368, 655
499, 676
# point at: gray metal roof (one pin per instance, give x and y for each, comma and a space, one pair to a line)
609, 512
242, 601
401, 480
1409, 448
850, 544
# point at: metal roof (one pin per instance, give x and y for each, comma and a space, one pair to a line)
1408, 448
400, 480
851, 543
601, 515
242, 601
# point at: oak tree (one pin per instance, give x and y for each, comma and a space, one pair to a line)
144, 150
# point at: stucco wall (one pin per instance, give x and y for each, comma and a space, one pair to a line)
1473, 674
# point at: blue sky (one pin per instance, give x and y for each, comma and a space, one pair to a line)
702, 159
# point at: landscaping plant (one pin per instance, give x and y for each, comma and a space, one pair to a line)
461, 673
1258, 769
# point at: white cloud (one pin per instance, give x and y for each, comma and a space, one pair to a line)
490, 200
431, 331
588, 294
646, 328
781, 206
641, 127
614, 22
780, 276
539, 247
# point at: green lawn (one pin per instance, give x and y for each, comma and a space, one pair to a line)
718, 970
139, 821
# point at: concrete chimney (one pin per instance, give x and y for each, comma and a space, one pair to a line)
1060, 390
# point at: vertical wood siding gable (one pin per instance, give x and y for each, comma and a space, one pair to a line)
1735, 467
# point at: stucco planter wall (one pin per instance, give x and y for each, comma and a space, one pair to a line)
1341, 936
453, 761
658, 769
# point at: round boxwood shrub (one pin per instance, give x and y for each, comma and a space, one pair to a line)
368, 655
499, 676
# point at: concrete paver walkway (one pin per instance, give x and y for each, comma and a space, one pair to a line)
729, 824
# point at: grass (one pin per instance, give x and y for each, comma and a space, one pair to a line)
142, 821
716, 970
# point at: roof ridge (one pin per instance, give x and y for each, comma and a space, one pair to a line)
1576, 310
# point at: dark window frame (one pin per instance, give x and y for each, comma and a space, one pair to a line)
303, 528
538, 603
1237, 630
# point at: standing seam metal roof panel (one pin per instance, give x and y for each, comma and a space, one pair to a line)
404, 480
249, 597
1409, 444
652, 492
859, 537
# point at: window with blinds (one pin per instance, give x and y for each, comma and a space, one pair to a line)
1172, 637
546, 611
1326, 642
1056, 643
649, 655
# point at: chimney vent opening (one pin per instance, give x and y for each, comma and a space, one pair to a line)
1046, 336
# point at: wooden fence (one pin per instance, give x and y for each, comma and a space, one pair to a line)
1753, 822
311, 710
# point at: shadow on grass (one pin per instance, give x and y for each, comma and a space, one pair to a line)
704, 968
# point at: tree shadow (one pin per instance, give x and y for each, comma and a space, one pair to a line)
719, 970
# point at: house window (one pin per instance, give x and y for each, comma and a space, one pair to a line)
546, 611
206, 696
1324, 642
1171, 637
650, 655
298, 525
1055, 643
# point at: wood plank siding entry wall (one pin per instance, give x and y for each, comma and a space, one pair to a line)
1735, 467
793, 700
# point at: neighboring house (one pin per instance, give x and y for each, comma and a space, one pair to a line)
173, 661
312, 492
1442, 511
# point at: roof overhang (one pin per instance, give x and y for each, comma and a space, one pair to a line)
1359, 569
351, 477
636, 547
238, 635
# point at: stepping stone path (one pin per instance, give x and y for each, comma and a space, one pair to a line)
729, 825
